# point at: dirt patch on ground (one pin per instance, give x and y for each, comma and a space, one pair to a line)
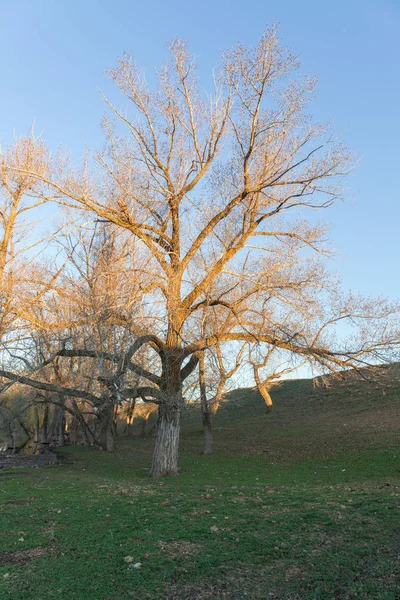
21, 557
14, 503
15, 474
10, 461
233, 588
179, 548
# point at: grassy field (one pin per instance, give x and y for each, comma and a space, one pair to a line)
303, 503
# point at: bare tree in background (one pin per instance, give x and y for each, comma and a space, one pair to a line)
100, 306
24, 278
213, 378
215, 188
21, 283
109, 313
96, 306
224, 374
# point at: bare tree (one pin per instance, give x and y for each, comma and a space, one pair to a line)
99, 304
214, 187
24, 279
20, 194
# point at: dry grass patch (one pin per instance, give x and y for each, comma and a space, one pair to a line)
22, 557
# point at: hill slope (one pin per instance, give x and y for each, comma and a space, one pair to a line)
309, 417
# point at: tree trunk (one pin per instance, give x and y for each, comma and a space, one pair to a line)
165, 455
107, 433
166, 446
114, 422
264, 391
218, 397
85, 436
207, 430
152, 429
143, 425
14, 449
53, 422
80, 427
61, 429
74, 429
263, 388
268, 402
44, 442
129, 418
36, 433
205, 412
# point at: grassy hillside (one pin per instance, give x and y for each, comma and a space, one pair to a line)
309, 418
300, 504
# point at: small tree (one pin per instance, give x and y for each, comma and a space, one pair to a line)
213, 379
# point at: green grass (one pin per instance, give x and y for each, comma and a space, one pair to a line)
300, 504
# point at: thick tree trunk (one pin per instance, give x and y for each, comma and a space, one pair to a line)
207, 430
166, 446
165, 455
205, 411
107, 430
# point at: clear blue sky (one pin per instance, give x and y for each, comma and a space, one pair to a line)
54, 54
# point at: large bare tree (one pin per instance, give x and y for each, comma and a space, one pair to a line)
215, 188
